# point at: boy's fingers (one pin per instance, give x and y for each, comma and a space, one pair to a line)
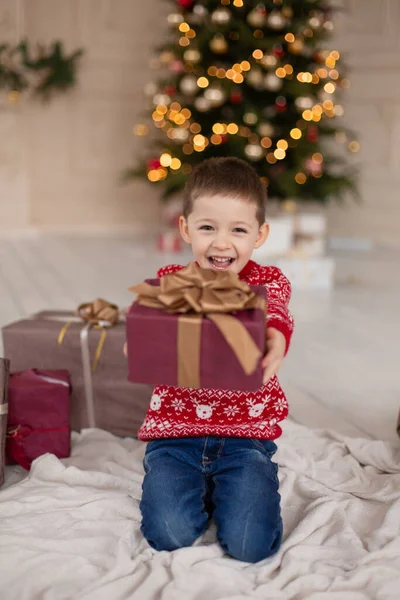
268, 359
271, 370
268, 374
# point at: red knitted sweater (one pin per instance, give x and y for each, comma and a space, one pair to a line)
184, 412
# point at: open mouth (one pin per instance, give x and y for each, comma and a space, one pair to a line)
220, 262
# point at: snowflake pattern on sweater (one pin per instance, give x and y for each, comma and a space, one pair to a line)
184, 412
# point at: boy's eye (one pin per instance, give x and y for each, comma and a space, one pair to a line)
239, 230
206, 228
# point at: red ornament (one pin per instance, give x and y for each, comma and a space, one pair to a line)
224, 138
312, 134
318, 58
185, 4
169, 241
281, 104
170, 90
153, 163
278, 51
176, 66
236, 97
313, 167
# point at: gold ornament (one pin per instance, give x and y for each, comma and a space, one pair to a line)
215, 96
161, 99
166, 57
180, 134
175, 19
219, 44
257, 17
276, 20
317, 20
297, 46
304, 102
272, 82
202, 104
192, 56
188, 85
200, 11
287, 12
265, 129
269, 61
250, 118
221, 16
255, 78
254, 152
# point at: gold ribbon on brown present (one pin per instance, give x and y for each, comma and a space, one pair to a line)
196, 293
99, 314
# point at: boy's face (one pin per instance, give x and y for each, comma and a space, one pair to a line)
223, 232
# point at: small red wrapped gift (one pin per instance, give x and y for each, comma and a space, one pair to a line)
38, 415
197, 328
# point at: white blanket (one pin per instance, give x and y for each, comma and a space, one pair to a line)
71, 529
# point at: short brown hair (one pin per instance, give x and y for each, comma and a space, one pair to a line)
226, 176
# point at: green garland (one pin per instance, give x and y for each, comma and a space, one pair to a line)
42, 72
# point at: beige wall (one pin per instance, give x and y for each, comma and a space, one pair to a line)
59, 163
368, 36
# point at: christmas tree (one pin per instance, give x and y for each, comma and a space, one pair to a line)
252, 80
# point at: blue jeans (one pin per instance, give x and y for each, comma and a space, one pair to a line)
232, 480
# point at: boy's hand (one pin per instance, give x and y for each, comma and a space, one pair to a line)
126, 349
276, 344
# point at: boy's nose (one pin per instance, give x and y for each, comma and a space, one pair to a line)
222, 243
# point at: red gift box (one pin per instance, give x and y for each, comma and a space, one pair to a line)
208, 344
38, 416
169, 241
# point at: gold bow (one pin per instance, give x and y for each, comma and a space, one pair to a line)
99, 314
205, 293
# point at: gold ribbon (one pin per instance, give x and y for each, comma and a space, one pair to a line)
99, 314
196, 293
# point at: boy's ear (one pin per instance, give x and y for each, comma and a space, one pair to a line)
263, 234
184, 229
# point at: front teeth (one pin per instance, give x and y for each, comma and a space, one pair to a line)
221, 260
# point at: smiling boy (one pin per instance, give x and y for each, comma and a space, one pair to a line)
209, 452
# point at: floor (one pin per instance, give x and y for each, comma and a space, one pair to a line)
342, 371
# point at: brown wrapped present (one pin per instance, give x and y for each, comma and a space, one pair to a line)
198, 328
91, 350
4, 375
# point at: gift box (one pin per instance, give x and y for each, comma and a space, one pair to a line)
4, 374
169, 241
61, 340
306, 273
197, 328
38, 415
310, 234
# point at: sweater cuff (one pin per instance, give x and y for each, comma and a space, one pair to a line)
283, 328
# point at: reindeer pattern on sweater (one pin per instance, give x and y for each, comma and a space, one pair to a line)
184, 412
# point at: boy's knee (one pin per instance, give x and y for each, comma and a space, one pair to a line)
170, 531
255, 549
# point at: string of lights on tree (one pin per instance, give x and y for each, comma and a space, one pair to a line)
252, 80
